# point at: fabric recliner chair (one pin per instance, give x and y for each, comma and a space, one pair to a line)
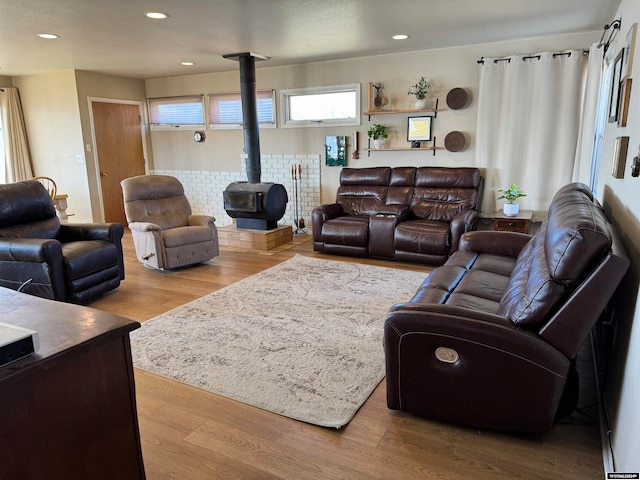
165, 233
74, 263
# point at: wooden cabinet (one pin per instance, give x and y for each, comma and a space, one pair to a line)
520, 223
69, 410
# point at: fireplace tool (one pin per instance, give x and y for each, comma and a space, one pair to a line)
296, 176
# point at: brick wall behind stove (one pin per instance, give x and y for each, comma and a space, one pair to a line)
204, 188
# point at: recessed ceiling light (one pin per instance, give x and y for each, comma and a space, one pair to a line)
156, 15
48, 36
187, 64
401, 36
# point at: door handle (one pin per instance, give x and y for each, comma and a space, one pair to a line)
103, 174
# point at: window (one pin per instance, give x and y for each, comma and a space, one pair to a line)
169, 113
225, 109
321, 106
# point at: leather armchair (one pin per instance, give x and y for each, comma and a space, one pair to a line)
165, 232
72, 263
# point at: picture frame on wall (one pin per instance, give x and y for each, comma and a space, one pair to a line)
629, 49
614, 94
623, 103
619, 157
419, 129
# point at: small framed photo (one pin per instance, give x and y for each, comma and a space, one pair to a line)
629, 48
614, 94
419, 128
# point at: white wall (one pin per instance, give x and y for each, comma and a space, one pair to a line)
52, 118
621, 198
448, 68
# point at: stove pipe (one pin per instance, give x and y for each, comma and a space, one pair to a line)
248, 94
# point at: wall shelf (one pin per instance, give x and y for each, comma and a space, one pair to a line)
396, 112
432, 148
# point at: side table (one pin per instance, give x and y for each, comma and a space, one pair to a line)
520, 223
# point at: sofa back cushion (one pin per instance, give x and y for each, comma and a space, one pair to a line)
440, 193
363, 191
568, 246
401, 184
156, 199
27, 211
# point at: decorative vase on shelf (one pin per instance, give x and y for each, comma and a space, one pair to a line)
420, 104
511, 209
380, 142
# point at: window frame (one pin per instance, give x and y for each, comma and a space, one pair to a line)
235, 126
285, 109
178, 126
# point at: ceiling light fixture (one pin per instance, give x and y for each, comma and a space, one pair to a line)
156, 15
48, 36
187, 64
401, 36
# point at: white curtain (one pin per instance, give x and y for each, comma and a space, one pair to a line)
529, 113
586, 137
17, 158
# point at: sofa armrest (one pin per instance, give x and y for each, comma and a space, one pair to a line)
472, 368
201, 221
499, 243
328, 211
464, 221
35, 250
75, 232
144, 227
23, 260
320, 215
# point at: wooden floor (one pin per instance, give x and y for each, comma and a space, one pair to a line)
191, 434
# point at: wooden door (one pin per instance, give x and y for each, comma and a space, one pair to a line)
120, 154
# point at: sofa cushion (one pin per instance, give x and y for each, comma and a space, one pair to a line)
176, 237
88, 257
568, 245
347, 230
35, 218
441, 193
423, 236
156, 199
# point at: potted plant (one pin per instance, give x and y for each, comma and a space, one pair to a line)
421, 90
378, 133
511, 194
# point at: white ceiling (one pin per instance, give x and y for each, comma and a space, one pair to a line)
114, 36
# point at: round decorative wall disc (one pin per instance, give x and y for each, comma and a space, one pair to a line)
457, 98
454, 141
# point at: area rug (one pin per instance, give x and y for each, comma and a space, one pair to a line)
302, 339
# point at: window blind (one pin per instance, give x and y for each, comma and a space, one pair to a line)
225, 109
180, 111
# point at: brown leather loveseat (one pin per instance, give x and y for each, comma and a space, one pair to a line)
489, 339
413, 214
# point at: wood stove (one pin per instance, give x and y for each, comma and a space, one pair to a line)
253, 204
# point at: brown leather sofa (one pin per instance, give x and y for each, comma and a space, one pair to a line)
489, 339
74, 263
404, 213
